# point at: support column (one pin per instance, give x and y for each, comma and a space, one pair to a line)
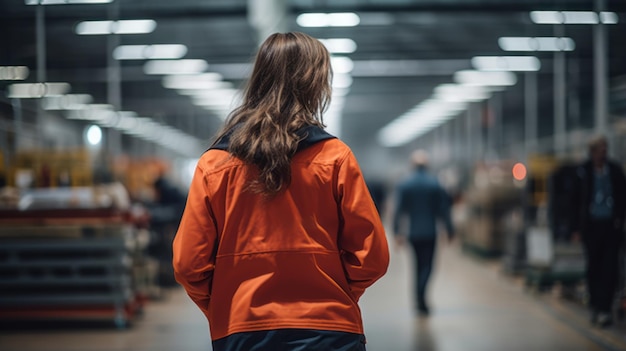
17, 124
459, 140
267, 17
480, 130
40, 33
560, 103
600, 73
494, 129
114, 85
530, 113
470, 122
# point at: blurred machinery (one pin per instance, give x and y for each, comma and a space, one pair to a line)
492, 200
551, 256
521, 213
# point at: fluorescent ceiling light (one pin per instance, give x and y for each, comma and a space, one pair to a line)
564, 17
546, 17
199, 81
99, 107
115, 27
67, 102
134, 26
92, 112
97, 115
93, 135
166, 136
461, 93
437, 108
339, 92
339, 45
219, 101
195, 87
37, 90
342, 81
536, 44
127, 123
218, 95
580, 17
63, 2
94, 27
448, 101
89, 1
573, 17
143, 52
13, 72
367, 68
609, 17
419, 120
175, 67
114, 119
482, 78
407, 68
341, 64
341, 19
398, 136
506, 63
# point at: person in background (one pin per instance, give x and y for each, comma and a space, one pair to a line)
280, 237
167, 194
165, 215
600, 203
422, 200
378, 191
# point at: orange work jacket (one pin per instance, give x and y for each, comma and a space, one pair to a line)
301, 259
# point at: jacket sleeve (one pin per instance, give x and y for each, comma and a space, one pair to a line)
195, 244
362, 241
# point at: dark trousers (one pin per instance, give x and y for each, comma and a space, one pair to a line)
291, 340
602, 244
424, 253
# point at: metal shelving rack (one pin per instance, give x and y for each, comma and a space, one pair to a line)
69, 265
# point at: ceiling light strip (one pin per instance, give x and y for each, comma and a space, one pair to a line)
65, 2
506, 63
573, 17
37, 90
340, 19
339, 45
536, 44
169, 67
13, 72
149, 52
115, 27
141, 127
447, 101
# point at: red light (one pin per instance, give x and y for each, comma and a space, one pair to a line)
519, 171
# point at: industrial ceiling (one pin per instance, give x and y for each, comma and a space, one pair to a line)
404, 50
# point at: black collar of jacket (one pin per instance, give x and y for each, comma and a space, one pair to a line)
309, 134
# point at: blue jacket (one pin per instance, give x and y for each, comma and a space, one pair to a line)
423, 200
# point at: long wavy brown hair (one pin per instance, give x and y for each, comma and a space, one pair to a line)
290, 88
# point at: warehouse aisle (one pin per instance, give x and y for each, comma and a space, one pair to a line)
474, 308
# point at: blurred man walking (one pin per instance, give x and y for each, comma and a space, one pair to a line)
600, 202
422, 200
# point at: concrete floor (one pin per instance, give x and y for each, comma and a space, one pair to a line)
474, 307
